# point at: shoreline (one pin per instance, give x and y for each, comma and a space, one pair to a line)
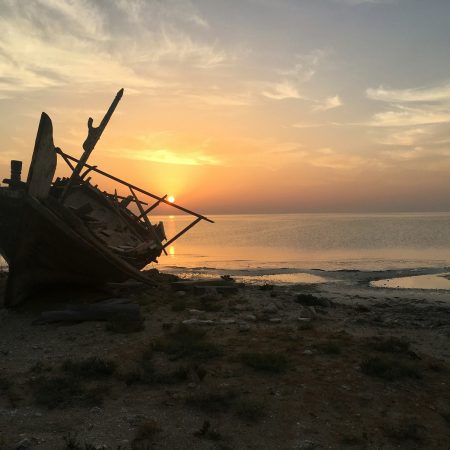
299, 366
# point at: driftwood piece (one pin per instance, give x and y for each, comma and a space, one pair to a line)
111, 310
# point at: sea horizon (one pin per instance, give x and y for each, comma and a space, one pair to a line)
290, 243
283, 243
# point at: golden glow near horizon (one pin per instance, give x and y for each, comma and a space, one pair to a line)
267, 115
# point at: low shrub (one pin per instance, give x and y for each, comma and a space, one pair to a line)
265, 362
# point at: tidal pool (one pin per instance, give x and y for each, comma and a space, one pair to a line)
439, 281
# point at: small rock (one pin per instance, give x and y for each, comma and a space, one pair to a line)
304, 319
23, 444
240, 307
308, 352
244, 326
96, 410
270, 309
136, 419
249, 317
208, 292
366, 396
275, 320
306, 445
180, 293
197, 312
198, 322
227, 321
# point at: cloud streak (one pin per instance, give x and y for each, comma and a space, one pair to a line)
167, 156
283, 90
422, 94
48, 44
411, 107
328, 103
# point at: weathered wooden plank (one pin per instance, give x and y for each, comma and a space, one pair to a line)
43, 164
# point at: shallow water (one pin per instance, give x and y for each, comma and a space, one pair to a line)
279, 248
250, 277
291, 243
416, 282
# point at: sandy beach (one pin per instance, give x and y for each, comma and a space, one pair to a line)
334, 365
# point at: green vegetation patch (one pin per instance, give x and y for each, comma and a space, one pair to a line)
312, 300
389, 369
390, 345
5, 384
124, 326
145, 434
92, 367
406, 430
61, 392
251, 410
187, 342
212, 401
265, 362
329, 348
179, 305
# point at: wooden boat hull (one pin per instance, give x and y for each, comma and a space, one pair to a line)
67, 230
50, 251
10, 221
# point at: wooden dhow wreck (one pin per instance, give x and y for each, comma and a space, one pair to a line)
66, 230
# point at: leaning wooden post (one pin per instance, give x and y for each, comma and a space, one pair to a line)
149, 225
136, 188
94, 134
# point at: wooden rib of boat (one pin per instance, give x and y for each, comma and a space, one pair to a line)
67, 230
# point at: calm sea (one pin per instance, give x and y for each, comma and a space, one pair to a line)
258, 243
289, 243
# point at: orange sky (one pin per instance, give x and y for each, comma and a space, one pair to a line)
264, 107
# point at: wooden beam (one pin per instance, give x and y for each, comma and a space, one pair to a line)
136, 188
147, 222
182, 232
153, 206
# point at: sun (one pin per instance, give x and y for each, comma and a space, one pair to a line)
171, 199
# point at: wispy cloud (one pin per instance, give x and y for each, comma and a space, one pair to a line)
293, 78
305, 66
47, 44
167, 156
408, 137
282, 90
404, 117
168, 147
328, 103
411, 107
421, 94
307, 125
213, 98
330, 158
